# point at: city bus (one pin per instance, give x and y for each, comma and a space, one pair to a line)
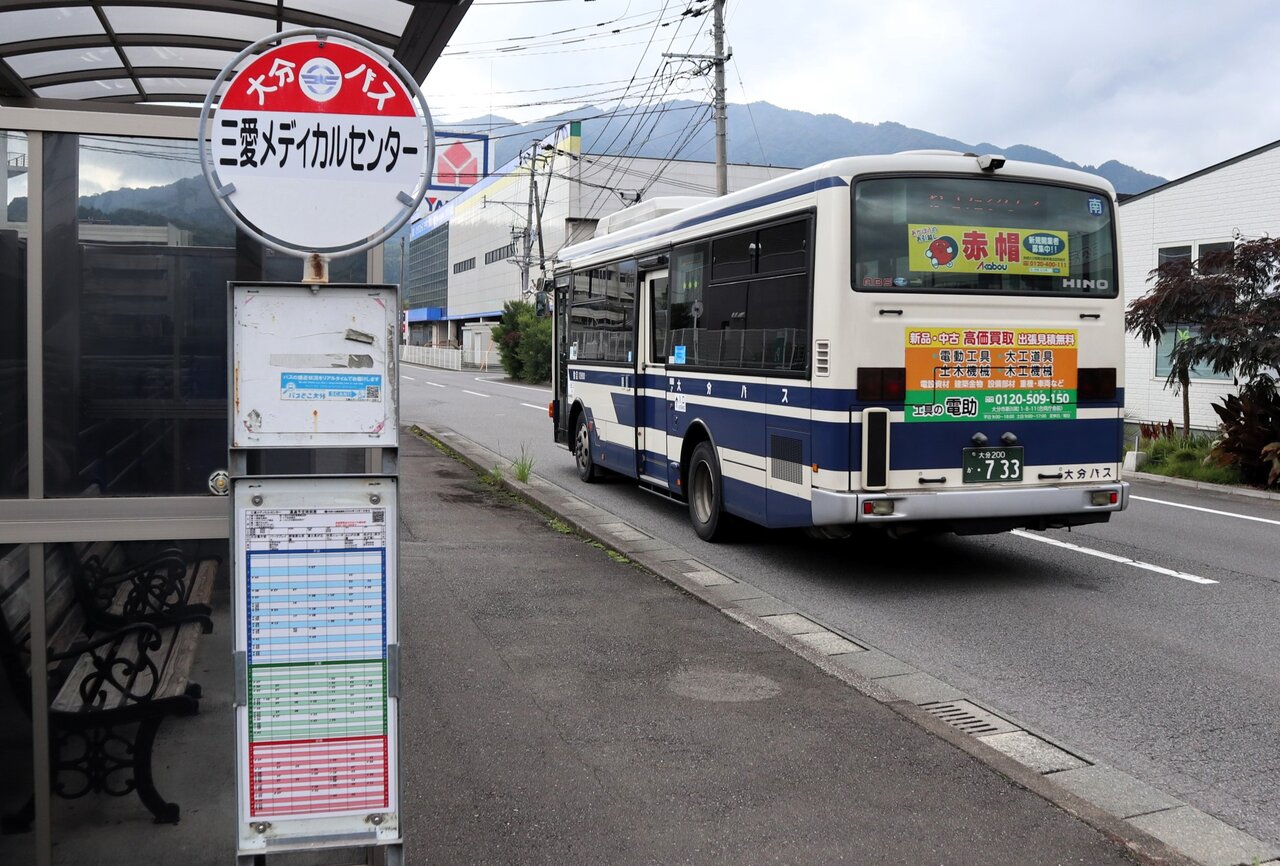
923, 341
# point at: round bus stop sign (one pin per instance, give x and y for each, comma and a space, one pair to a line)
317, 144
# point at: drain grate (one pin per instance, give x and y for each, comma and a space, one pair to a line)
970, 718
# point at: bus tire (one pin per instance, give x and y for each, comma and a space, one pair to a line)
587, 469
706, 495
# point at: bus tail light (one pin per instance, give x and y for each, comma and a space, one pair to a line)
1095, 384
882, 384
1104, 497
551, 410
878, 507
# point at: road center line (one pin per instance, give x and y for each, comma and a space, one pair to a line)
1123, 560
475, 393
531, 406
435, 385
410, 378
1206, 510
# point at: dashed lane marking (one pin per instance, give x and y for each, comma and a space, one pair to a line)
475, 393
1123, 560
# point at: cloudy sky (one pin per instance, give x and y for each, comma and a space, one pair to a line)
1167, 86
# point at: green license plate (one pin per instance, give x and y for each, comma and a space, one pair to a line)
992, 465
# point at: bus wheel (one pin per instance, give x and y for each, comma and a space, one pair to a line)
587, 470
706, 496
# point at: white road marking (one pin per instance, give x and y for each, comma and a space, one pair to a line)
1206, 510
410, 378
435, 385
531, 406
509, 385
475, 393
1123, 560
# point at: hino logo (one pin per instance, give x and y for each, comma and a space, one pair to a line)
1087, 285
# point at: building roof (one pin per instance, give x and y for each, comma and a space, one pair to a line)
1201, 173
153, 51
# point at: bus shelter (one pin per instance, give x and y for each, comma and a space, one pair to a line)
114, 264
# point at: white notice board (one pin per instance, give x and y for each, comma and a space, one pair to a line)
314, 366
315, 599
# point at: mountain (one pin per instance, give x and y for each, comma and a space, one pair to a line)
761, 133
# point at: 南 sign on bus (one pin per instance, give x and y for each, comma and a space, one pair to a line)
319, 143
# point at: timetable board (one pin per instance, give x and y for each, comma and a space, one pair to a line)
314, 366
315, 593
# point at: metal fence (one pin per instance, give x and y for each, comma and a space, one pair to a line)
431, 356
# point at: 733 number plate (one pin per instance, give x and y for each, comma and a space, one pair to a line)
992, 465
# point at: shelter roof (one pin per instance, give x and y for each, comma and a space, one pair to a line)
146, 51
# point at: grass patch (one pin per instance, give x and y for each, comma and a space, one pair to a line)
523, 466
1184, 457
558, 525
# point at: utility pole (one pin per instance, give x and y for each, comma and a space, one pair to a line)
722, 148
717, 62
526, 255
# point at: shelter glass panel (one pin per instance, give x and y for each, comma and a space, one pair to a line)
136, 261
13, 300
17, 751
104, 809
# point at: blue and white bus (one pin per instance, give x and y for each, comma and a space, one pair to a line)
921, 341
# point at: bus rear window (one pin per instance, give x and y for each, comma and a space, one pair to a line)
968, 235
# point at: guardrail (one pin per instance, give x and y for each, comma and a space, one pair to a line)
432, 356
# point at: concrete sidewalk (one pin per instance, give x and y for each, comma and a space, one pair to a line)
563, 705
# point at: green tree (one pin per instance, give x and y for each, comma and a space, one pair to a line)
1226, 309
535, 350
507, 335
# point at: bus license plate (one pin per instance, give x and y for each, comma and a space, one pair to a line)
992, 465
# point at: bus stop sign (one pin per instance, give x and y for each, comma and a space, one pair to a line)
317, 144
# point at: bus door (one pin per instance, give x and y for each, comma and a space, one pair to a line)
651, 393
560, 376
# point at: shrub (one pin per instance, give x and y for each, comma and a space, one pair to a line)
535, 350
1250, 435
523, 339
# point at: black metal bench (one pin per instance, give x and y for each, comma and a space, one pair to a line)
121, 642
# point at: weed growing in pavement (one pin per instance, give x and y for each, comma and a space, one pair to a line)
560, 526
523, 467
493, 477
618, 557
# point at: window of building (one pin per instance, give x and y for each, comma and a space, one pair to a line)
501, 254
1172, 336
464, 265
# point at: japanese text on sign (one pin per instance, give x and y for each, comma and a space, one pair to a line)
1007, 373
986, 249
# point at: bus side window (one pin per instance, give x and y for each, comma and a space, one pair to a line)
659, 290
688, 279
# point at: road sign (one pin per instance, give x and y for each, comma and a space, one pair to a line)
318, 144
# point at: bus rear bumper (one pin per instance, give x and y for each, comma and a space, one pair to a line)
1037, 507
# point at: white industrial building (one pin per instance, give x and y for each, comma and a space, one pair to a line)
1186, 219
489, 245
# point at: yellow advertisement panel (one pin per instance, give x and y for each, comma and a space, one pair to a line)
987, 249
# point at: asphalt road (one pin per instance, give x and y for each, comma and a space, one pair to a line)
1151, 644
